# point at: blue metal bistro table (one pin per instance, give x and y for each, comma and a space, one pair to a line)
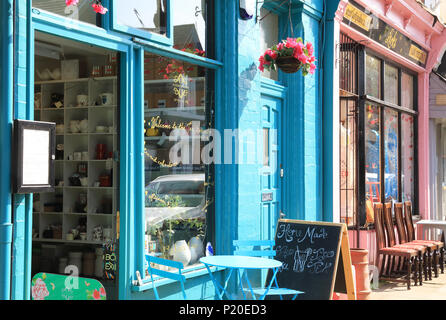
239, 263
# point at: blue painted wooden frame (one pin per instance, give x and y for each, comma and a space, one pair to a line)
132, 116
158, 38
56, 25
6, 119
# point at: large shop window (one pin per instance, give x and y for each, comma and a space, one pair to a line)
381, 159
81, 12
178, 179
390, 114
182, 24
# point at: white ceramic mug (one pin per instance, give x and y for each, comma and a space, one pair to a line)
84, 181
107, 232
74, 126
106, 99
83, 126
82, 100
77, 156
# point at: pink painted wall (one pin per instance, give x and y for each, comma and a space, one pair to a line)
409, 18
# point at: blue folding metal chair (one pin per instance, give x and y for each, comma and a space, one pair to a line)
153, 271
262, 248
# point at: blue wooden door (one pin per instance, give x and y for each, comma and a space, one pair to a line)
271, 166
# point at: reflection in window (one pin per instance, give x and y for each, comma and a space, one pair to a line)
373, 76
348, 161
82, 11
407, 84
147, 15
269, 36
265, 147
391, 154
189, 25
372, 154
407, 157
391, 84
178, 184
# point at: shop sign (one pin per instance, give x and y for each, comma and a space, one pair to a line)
358, 18
34, 154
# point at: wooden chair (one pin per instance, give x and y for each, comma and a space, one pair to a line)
438, 254
387, 252
423, 259
263, 248
164, 263
402, 236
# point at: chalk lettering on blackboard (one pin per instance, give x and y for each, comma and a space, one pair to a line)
300, 259
315, 261
311, 234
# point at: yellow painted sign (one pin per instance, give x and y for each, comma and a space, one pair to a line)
417, 54
358, 17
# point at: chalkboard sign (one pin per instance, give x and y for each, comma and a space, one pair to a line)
310, 253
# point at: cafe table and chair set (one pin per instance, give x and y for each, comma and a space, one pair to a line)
259, 256
401, 260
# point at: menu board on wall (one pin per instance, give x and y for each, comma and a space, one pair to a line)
34, 155
362, 20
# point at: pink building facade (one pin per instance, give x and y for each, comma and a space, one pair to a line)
400, 37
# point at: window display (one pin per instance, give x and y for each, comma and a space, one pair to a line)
391, 147
78, 90
178, 184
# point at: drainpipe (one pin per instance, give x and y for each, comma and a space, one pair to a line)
6, 101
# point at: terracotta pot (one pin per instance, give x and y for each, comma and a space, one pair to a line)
360, 260
288, 64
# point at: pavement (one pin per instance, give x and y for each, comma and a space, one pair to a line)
434, 289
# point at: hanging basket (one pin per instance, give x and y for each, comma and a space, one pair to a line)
288, 64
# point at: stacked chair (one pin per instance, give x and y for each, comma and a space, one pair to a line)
388, 253
398, 259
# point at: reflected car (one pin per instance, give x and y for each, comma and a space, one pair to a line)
179, 196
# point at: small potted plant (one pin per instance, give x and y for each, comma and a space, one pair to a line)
290, 56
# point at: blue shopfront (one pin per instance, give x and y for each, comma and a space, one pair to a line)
167, 135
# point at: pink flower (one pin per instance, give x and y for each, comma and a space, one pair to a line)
291, 43
310, 48
280, 46
311, 59
303, 58
99, 8
271, 53
71, 2
298, 50
39, 290
312, 68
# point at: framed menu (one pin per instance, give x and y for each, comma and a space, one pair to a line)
34, 155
